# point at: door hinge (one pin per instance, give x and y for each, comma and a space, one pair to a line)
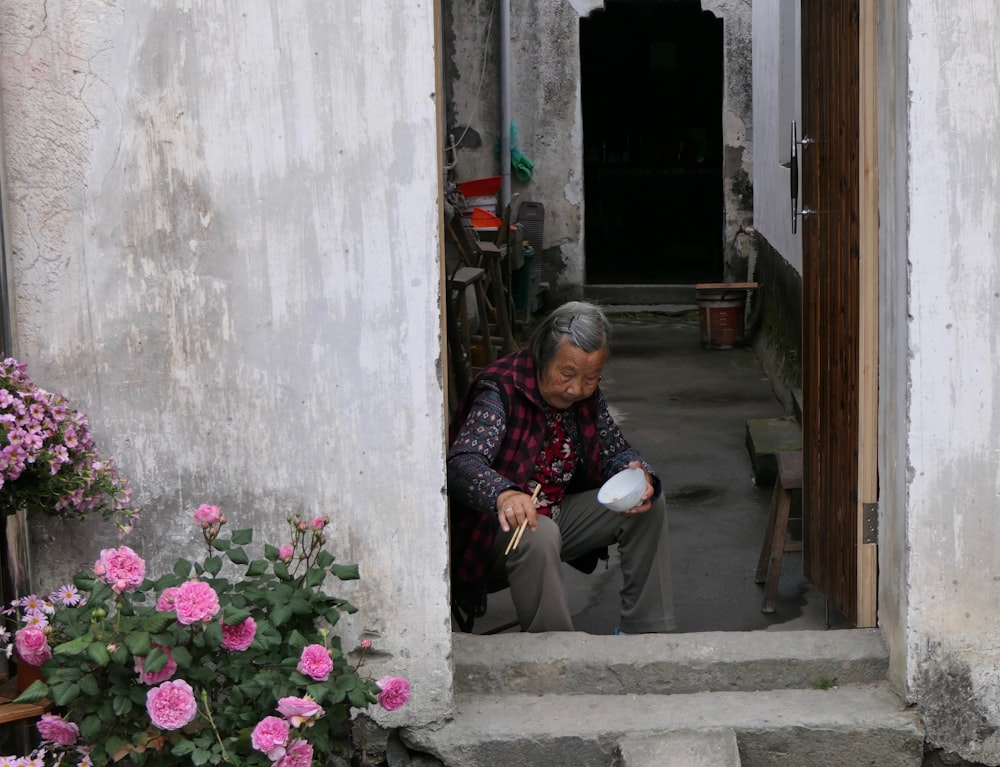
869, 522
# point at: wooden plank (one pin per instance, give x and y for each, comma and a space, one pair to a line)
868, 303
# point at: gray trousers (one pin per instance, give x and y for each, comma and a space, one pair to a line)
535, 575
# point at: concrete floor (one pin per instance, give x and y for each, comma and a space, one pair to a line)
685, 408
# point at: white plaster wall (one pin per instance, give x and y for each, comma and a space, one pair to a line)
224, 227
953, 436
772, 197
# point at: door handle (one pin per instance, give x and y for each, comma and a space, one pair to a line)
794, 176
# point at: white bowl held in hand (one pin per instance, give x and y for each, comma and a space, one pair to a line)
624, 490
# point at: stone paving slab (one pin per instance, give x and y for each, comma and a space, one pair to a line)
681, 749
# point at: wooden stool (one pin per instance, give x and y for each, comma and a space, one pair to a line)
769, 565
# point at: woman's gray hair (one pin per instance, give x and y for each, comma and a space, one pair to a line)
584, 324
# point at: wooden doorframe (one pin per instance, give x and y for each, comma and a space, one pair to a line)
867, 598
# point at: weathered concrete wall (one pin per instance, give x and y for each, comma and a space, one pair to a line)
776, 101
545, 90
224, 222
953, 412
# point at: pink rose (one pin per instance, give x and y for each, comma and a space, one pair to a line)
157, 676
171, 705
32, 645
239, 637
395, 692
299, 754
120, 568
207, 515
300, 711
194, 602
167, 600
55, 729
366, 644
270, 736
285, 553
315, 662
318, 523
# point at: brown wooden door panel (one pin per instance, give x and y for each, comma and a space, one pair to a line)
833, 353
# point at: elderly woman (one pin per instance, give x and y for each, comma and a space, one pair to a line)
537, 417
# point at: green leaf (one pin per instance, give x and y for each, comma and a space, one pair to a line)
243, 537
89, 685
271, 553
280, 614
155, 661
182, 568
112, 743
256, 568
238, 556
183, 748
138, 642
345, 572
121, 705
98, 652
156, 622
182, 656
213, 565
34, 692
281, 570
324, 559
213, 634
358, 698
65, 693
232, 616
91, 727
221, 544
74, 646
315, 577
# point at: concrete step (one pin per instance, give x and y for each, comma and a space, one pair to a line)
577, 663
681, 749
792, 728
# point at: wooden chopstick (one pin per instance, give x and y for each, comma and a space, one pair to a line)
516, 538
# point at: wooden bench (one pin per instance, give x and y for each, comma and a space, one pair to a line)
775, 539
20, 716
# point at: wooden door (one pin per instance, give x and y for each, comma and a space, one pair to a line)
839, 274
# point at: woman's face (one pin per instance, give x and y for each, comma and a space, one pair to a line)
572, 375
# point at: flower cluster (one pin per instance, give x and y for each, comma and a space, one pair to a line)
48, 461
196, 668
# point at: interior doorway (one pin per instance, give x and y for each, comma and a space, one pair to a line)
652, 88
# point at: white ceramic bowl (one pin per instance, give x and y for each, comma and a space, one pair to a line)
624, 490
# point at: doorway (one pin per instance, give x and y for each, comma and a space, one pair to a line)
652, 90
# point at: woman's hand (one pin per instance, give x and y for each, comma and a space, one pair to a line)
513, 507
645, 502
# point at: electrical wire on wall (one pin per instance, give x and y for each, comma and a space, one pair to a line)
452, 149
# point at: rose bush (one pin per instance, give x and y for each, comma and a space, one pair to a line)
226, 660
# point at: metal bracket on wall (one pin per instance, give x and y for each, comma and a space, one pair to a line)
869, 521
